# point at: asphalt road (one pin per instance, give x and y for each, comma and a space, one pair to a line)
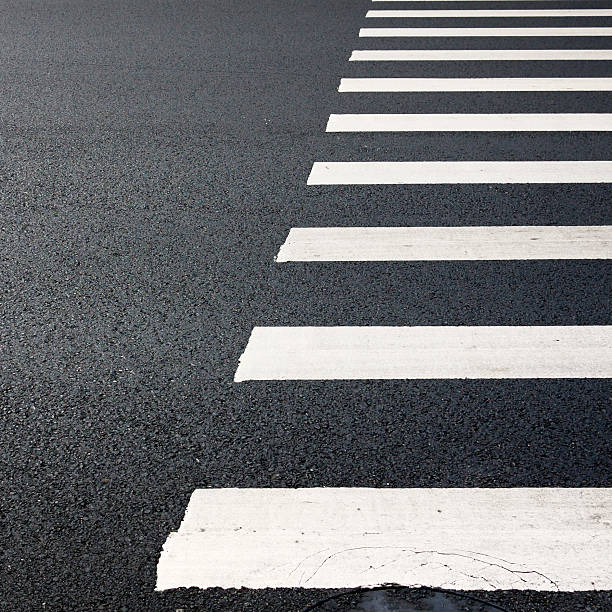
153, 157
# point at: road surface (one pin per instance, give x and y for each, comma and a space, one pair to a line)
166, 311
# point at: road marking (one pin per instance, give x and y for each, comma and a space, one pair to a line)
453, 55
535, 122
455, 1
446, 243
491, 13
466, 172
394, 84
360, 353
445, 32
542, 539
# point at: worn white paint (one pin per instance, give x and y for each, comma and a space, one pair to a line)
455, 172
592, 12
445, 32
454, 55
543, 539
533, 122
394, 84
446, 243
360, 353
520, 1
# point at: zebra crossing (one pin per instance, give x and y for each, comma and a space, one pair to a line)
474, 84
460, 55
358, 353
488, 243
478, 32
532, 122
494, 13
334, 538
546, 539
456, 172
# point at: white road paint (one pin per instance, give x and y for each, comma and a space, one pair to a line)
592, 12
445, 32
535, 122
453, 55
446, 243
446, 352
455, 1
394, 84
543, 539
442, 172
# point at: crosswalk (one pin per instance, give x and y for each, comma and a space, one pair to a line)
458, 172
543, 539
456, 122
341, 538
413, 1
363, 353
487, 243
461, 55
465, 13
474, 84
472, 32
527, 1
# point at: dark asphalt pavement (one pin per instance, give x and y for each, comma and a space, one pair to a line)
153, 157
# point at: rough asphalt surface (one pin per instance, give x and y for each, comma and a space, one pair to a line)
153, 156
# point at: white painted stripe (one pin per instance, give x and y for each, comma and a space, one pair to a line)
455, 172
543, 539
592, 12
359, 353
445, 32
452, 55
536, 122
455, 1
446, 243
476, 84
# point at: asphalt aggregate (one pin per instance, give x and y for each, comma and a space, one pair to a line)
153, 157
